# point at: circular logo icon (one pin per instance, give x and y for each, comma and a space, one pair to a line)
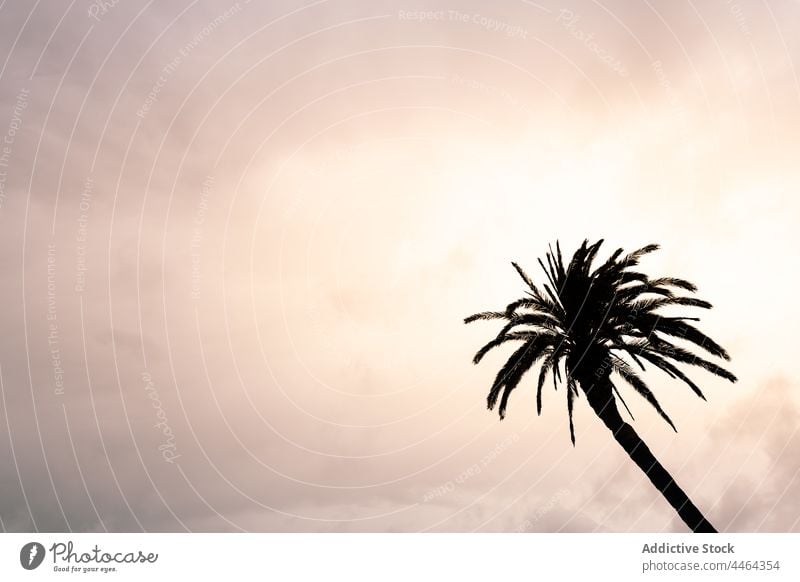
31, 555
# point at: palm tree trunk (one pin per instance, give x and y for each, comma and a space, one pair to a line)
602, 402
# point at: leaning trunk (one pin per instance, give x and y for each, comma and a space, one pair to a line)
602, 402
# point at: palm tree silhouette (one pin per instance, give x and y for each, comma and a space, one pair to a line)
588, 322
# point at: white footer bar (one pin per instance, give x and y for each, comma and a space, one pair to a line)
406, 557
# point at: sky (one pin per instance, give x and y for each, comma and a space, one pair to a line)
238, 241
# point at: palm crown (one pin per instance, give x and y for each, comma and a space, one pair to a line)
592, 322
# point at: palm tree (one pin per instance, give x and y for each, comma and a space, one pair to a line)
593, 323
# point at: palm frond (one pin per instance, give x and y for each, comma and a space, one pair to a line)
629, 293
685, 331
547, 363
560, 263
669, 350
591, 253
674, 282
571, 393
627, 374
673, 372
633, 258
627, 277
611, 267
550, 277
484, 315
537, 321
621, 399
525, 277
682, 301
512, 371
498, 341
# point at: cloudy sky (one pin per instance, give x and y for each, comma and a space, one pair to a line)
238, 241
